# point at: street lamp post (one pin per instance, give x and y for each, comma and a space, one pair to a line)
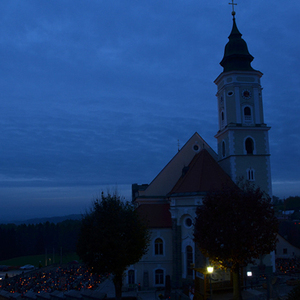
210, 270
249, 275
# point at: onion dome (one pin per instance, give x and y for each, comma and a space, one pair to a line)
236, 54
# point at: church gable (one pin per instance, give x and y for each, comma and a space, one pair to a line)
167, 178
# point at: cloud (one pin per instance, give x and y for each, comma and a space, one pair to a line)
99, 92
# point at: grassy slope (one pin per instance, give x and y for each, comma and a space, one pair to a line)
36, 259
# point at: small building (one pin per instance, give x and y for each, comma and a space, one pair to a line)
284, 249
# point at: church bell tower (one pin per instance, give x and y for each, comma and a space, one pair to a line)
243, 142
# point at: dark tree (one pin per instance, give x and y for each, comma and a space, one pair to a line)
294, 294
34, 239
292, 203
112, 237
235, 226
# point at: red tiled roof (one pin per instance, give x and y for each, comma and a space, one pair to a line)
157, 215
202, 175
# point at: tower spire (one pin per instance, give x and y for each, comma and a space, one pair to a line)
236, 54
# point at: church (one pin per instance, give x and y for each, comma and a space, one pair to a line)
169, 202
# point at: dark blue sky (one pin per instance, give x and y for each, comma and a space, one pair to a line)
96, 94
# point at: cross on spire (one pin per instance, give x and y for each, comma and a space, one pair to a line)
233, 4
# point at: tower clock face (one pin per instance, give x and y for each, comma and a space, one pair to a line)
246, 94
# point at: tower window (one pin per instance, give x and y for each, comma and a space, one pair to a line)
247, 115
223, 149
250, 175
249, 145
222, 119
159, 246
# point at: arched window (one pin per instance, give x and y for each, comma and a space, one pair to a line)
159, 276
247, 115
249, 146
159, 246
247, 111
223, 149
189, 260
131, 277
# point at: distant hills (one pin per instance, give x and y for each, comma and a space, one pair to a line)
54, 220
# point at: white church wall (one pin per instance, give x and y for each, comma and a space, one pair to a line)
147, 270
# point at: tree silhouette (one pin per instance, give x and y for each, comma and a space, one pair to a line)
235, 226
294, 294
112, 237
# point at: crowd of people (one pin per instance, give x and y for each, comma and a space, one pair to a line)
60, 278
288, 266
